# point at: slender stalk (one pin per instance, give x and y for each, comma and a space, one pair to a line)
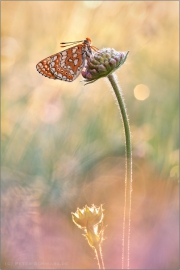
128, 177
99, 257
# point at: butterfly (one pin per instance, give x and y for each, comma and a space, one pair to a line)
68, 64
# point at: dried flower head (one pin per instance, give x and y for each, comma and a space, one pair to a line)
88, 216
102, 63
94, 237
90, 220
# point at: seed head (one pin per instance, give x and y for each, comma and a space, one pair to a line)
90, 219
88, 216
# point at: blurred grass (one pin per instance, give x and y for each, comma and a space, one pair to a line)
56, 133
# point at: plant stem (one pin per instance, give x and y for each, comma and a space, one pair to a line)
99, 257
128, 177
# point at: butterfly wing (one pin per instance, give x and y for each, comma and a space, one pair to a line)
43, 67
68, 64
65, 65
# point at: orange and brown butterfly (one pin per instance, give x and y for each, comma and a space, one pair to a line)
68, 64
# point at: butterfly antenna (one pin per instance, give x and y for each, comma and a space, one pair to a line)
65, 44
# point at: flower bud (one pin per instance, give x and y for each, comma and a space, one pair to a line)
102, 63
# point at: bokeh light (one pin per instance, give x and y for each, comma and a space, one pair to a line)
141, 92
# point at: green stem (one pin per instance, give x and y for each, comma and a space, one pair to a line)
128, 177
99, 257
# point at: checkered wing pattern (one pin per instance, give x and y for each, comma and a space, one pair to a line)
65, 65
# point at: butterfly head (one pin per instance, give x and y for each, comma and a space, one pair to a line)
87, 41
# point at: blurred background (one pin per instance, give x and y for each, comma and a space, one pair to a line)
63, 143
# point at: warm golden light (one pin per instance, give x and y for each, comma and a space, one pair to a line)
63, 142
141, 92
92, 4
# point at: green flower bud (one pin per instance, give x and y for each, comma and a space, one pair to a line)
102, 63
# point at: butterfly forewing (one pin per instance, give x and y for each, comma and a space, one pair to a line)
65, 65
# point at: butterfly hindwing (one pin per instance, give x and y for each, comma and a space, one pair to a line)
68, 64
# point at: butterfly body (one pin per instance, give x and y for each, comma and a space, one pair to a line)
68, 64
